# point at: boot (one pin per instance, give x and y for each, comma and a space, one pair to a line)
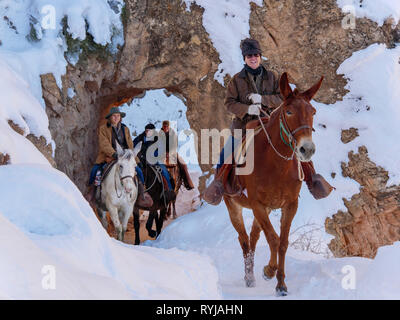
144, 199
93, 194
187, 181
90, 194
215, 191
317, 185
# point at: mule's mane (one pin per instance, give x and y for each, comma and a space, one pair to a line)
128, 155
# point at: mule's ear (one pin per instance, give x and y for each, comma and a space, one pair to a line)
286, 91
120, 151
137, 148
310, 93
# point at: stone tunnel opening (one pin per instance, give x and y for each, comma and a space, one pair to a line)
74, 128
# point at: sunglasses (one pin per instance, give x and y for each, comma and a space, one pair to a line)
256, 55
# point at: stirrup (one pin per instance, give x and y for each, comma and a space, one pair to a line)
319, 187
214, 192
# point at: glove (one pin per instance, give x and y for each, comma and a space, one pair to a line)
254, 109
255, 98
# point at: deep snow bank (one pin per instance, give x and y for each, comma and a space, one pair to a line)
44, 220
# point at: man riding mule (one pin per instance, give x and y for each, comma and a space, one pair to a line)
111, 134
174, 163
158, 181
251, 91
276, 180
150, 144
172, 159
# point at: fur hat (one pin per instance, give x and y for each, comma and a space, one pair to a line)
149, 126
250, 46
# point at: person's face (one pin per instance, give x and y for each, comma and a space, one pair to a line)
115, 119
253, 60
165, 127
149, 133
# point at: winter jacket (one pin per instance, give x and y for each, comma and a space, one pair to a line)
240, 86
106, 149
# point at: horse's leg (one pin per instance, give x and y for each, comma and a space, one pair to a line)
262, 216
160, 220
288, 213
136, 225
254, 235
126, 213
115, 219
235, 214
174, 216
103, 217
149, 224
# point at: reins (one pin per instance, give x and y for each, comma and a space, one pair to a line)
283, 129
270, 141
121, 179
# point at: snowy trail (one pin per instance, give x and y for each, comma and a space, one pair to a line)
209, 232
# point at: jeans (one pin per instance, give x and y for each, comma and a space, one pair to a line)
165, 173
229, 147
101, 166
139, 173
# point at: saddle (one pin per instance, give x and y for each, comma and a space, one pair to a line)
107, 169
230, 180
316, 184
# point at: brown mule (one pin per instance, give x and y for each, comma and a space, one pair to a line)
275, 181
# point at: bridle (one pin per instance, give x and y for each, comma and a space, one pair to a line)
122, 179
284, 130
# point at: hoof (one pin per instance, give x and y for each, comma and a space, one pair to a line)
281, 292
268, 273
265, 277
250, 283
152, 233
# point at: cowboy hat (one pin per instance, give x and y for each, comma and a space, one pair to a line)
115, 110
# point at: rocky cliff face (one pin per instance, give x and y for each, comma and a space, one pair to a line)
166, 46
373, 216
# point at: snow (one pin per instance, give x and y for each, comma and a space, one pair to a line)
227, 23
71, 93
44, 221
376, 10
209, 231
23, 58
19, 106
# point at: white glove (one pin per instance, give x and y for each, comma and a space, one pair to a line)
255, 98
254, 109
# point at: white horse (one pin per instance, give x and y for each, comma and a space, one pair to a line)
119, 191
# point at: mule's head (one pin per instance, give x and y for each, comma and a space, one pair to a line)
126, 166
297, 118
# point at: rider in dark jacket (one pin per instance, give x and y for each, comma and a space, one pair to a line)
148, 137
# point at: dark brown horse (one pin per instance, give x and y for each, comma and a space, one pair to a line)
162, 198
275, 182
